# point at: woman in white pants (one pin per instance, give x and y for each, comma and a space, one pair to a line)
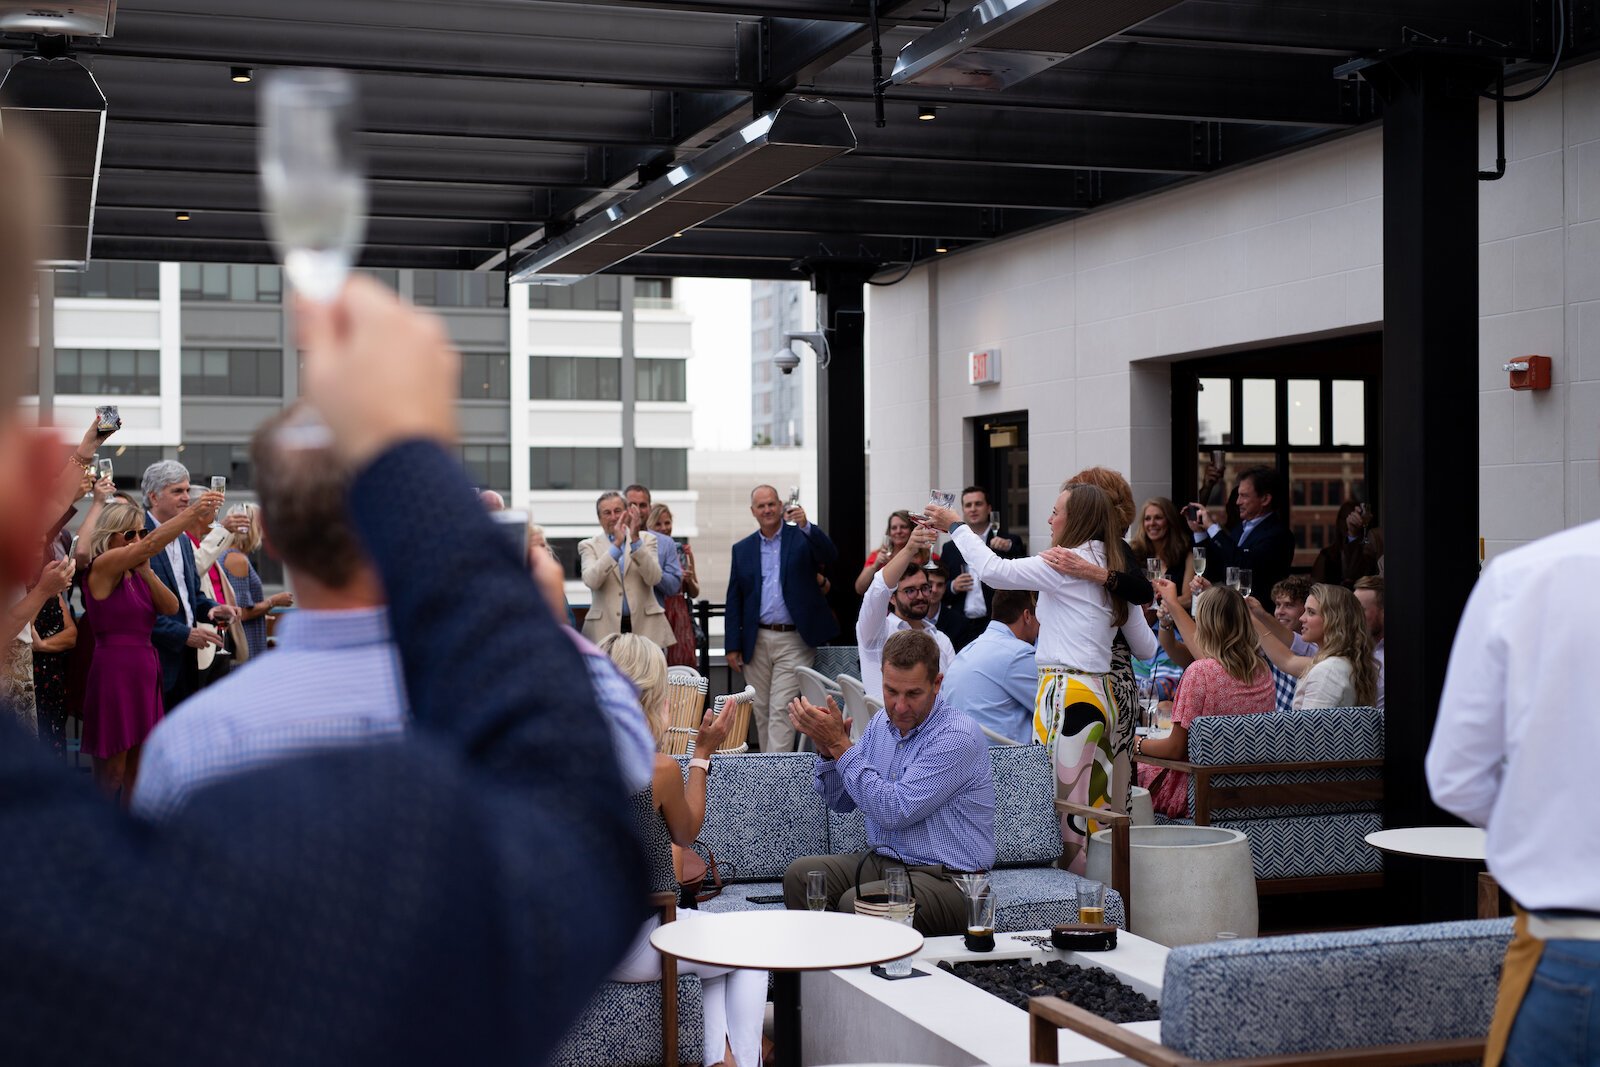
1075, 712
735, 1001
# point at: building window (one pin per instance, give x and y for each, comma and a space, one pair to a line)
128, 464
112, 281
660, 379
485, 376
229, 460
489, 466
566, 551
602, 292
239, 283
575, 468
459, 289
108, 371
232, 372
663, 468
574, 378
652, 293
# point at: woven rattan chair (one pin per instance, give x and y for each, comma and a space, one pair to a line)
686, 705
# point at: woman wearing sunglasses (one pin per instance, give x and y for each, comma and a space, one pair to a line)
122, 597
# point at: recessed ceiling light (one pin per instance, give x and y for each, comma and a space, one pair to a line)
927, 112
942, 246
182, 216
242, 75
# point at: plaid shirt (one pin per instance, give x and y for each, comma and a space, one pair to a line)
929, 795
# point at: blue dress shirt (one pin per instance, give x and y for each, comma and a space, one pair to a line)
928, 795
995, 681
774, 612
671, 567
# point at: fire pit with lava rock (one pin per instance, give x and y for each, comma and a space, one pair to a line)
1016, 981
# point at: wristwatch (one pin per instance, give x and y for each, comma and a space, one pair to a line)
703, 764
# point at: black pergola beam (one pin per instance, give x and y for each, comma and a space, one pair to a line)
1326, 27
772, 214
877, 181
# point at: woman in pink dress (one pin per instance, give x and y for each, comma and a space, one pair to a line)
121, 599
1227, 677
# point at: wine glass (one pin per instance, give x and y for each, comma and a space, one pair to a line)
1233, 578
793, 502
316, 195
817, 890
218, 484
1150, 696
1154, 570
1199, 569
1244, 581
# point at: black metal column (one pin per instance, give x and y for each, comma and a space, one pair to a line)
1430, 425
841, 430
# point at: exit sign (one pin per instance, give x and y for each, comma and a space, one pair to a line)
983, 368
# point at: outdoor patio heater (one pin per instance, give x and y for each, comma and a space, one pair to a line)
752, 160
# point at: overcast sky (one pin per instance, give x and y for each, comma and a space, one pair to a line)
719, 373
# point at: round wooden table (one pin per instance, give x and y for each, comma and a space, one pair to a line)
786, 943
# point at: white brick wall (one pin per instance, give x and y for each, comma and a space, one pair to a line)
1087, 313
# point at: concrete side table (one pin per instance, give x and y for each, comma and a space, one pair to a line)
1189, 883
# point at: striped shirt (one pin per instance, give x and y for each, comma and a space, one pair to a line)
334, 680
928, 796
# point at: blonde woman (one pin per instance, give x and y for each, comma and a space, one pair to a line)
684, 651
1332, 657
122, 598
1227, 677
242, 576
735, 1000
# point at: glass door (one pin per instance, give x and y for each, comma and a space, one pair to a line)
1000, 464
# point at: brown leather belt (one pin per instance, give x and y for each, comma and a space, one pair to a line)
777, 627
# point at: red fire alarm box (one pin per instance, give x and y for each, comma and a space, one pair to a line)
1529, 372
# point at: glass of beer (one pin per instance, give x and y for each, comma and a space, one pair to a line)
1091, 902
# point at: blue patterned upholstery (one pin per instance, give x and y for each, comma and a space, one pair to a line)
847, 831
1026, 829
1316, 992
1306, 846
736, 897
621, 1026
834, 660
762, 814
1320, 734
657, 842
1036, 898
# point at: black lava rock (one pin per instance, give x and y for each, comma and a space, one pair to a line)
1090, 988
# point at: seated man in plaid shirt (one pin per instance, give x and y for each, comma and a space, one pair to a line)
920, 775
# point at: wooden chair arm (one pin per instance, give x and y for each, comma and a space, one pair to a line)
1121, 849
1257, 768
1047, 1014
667, 902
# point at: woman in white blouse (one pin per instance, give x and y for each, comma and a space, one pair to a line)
1342, 673
1074, 710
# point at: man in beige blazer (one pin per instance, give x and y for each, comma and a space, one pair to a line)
619, 563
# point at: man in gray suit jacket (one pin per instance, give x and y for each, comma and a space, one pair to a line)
621, 567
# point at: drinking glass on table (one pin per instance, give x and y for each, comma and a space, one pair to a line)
1150, 700
816, 890
897, 900
1091, 902
315, 190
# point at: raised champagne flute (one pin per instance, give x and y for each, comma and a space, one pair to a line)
315, 189
1199, 572
219, 484
1153, 570
1232, 575
1244, 585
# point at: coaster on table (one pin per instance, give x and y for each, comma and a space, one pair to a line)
1084, 937
878, 970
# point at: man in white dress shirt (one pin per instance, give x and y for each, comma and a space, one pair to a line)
1514, 751
904, 588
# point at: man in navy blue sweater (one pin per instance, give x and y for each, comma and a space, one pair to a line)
449, 899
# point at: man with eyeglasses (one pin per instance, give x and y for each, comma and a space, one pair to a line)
898, 599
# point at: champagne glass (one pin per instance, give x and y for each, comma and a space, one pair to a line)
817, 890
1150, 695
218, 484
316, 195
897, 898
793, 502
1233, 578
1154, 570
1244, 586
1199, 571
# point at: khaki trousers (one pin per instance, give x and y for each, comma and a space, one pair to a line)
772, 672
941, 906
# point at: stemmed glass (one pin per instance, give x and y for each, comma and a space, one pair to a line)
315, 190
1199, 569
1233, 578
1243, 581
1154, 570
793, 502
218, 484
816, 890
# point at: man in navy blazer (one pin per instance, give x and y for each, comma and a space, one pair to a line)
1263, 542
177, 637
777, 615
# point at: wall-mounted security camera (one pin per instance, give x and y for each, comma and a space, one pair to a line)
786, 359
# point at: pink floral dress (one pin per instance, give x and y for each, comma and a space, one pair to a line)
1206, 689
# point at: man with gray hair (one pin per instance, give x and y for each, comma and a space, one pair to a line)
621, 566
178, 637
